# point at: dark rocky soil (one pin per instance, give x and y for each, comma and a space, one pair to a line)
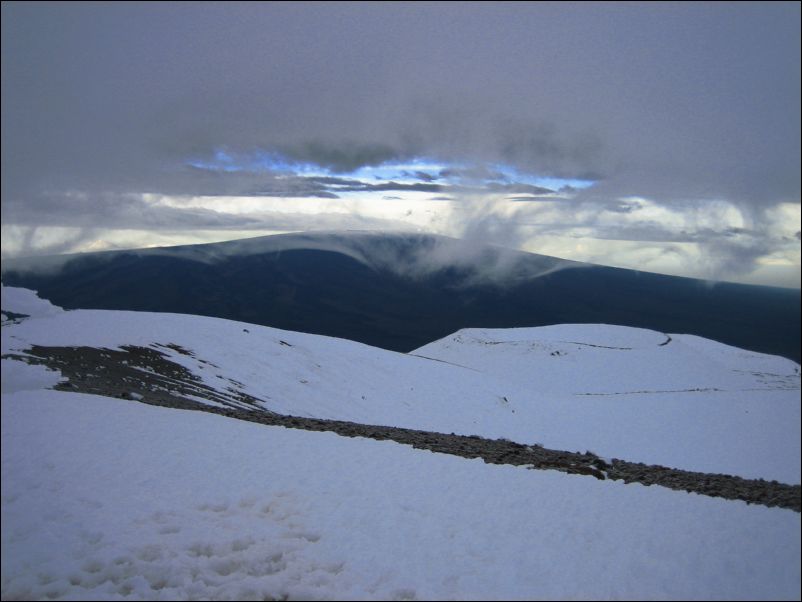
148, 375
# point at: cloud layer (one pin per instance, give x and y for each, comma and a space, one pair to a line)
685, 105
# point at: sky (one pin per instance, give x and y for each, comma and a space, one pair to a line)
657, 136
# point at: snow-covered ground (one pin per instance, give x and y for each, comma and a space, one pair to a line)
616, 391
675, 400
107, 499
111, 499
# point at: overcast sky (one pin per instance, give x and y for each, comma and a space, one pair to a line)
659, 136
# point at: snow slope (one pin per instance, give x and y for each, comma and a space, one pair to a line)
690, 404
677, 400
26, 302
111, 499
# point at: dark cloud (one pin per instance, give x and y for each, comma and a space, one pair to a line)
662, 100
294, 194
295, 186
387, 186
475, 173
516, 188
334, 184
342, 156
675, 102
328, 185
332, 180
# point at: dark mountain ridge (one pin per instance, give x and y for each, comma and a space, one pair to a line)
401, 291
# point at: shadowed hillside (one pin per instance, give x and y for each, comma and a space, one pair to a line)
400, 292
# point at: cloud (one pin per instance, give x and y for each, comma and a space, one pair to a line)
686, 105
343, 156
281, 78
476, 173
478, 262
516, 188
422, 175
385, 186
295, 187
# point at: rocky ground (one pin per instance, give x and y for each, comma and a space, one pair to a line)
146, 374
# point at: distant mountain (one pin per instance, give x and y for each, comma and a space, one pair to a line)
401, 291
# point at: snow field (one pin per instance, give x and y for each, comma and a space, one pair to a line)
690, 404
108, 499
675, 400
25, 301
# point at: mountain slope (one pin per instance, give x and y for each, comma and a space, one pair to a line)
109, 498
147, 503
651, 403
400, 292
